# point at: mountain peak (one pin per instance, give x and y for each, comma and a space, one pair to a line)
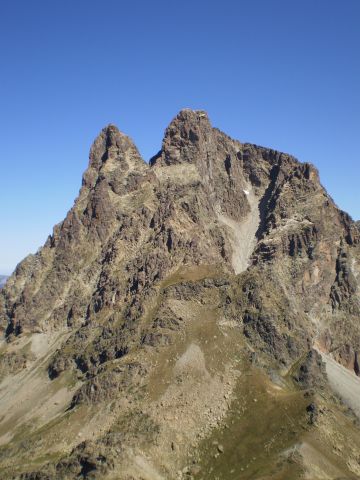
186, 134
187, 114
112, 150
109, 139
115, 137
188, 125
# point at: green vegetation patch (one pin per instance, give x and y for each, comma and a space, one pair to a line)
263, 425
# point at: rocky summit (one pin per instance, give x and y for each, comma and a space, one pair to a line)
194, 317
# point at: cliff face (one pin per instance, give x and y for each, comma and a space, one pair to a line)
128, 336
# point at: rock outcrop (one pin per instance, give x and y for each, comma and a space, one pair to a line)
163, 286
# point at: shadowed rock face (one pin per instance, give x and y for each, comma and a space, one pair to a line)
214, 246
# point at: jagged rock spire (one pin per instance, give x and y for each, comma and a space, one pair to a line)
112, 151
187, 132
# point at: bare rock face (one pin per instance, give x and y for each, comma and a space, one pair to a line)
179, 303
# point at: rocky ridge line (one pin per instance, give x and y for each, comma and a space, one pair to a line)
163, 285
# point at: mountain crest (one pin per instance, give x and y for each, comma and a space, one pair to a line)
113, 153
187, 133
177, 312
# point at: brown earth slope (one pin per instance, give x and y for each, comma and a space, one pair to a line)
194, 317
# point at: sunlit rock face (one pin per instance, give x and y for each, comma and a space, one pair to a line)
197, 316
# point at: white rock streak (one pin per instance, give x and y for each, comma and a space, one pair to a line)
242, 234
344, 382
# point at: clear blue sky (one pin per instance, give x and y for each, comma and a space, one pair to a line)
279, 73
